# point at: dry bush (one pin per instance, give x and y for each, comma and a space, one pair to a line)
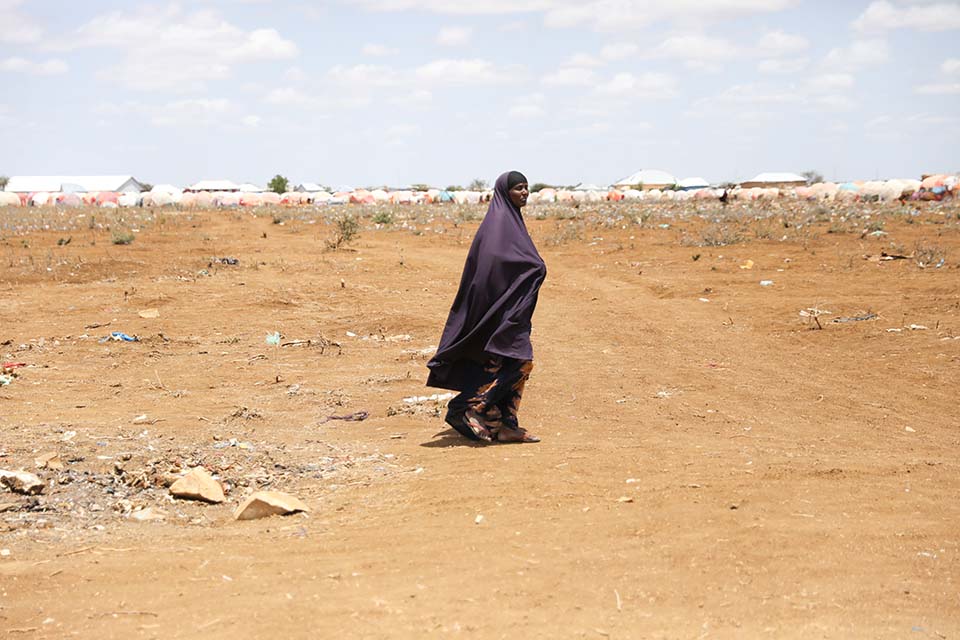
926, 254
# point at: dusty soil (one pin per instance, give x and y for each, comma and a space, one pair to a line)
712, 465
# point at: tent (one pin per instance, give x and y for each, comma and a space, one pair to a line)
648, 178
688, 184
9, 199
775, 179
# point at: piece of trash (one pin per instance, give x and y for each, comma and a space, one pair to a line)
10, 366
917, 327
478, 519
766, 283
866, 316
21, 482
233, 442
909, 429
624, 499
358, 416
141, 419
747, 265
5, 379
704, 299
273, 339
226, 260
148, 514
894, 330
268, 503
198, 485
351, 334
4, 553
149, 313
120, 336
664, 394
68, 436
436, 397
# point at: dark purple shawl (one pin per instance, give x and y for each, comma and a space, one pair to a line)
498, 293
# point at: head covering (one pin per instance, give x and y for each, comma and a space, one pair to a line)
493, 308
514, 178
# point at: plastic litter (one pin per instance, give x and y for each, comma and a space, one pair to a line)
120, 336
273, 339
766, 283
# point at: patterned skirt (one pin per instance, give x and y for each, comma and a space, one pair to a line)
492, 397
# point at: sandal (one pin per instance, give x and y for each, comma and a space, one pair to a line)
476, 426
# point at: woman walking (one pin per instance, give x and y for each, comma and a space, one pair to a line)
485, 351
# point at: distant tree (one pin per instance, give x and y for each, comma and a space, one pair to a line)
812, 176
454, 187
146, 186
278, 184
540, 186
478, 185
420, 187
3, 182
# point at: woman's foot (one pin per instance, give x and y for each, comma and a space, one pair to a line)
475, 423
508, 435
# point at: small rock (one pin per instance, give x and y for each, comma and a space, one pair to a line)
624, 499
141, 419
149, 313
50, 461
909, 429
198, 485
478, 519
268, 503
21, 482
147, 515
4, 552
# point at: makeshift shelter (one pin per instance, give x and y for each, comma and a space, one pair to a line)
129, 199
647, 180
72, 184
107, 196
772, 180
308, 187
9, 199
246, 187
212, 186
692, 184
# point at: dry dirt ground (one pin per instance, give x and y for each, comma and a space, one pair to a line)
712, 465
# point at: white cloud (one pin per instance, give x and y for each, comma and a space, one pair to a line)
376, 50
287, 96
950, 66
169, 49
250, 121
569, 76
414, 99
778, 43
582, 60
294, 74
648, 85
363, 75
830, 82
882, 15
489, 7
783, 65
528, 107
619, 51
191, 112
22, 65
472, 71
945, 89
698, 51
454, 36
17, 28
860, 53
625, 15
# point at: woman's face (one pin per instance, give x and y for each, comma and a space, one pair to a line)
519, 193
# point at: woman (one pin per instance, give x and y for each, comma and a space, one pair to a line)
485, 350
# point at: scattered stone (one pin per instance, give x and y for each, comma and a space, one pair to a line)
478, 519
263, 504
21, 482
198, 485
149, 313
148, 515
624, 499
50, 461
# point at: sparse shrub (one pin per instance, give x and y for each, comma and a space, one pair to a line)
121, 237
383, 217
564, 233
926, 254
347, 230
714, 235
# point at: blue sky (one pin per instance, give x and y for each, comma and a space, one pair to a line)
369, 92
